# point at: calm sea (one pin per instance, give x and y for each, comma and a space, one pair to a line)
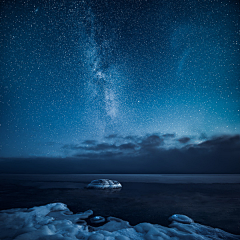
76, 180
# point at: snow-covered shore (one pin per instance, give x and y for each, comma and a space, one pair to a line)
56, 222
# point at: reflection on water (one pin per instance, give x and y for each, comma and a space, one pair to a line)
106, 190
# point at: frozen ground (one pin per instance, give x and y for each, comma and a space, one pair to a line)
55, 222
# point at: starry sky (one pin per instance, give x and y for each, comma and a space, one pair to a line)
98, 82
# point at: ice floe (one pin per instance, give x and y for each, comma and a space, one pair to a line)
104, 184
56, 222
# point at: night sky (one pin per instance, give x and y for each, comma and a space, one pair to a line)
140, 86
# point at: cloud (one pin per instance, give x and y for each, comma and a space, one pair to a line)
103, 147
151, 141
133, 138
147, 154
145, 143
111, 136
89, 142
184, 139
128, 146
168, 135
222, 143
93, 147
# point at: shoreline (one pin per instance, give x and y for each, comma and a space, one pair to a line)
216, 204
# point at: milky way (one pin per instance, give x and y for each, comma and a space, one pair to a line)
115, 73
102, 82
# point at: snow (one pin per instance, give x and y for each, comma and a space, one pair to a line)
104, 184
56, 222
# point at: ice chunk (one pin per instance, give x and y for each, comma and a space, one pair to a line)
97, 219
180, 218
104, 184
114, 224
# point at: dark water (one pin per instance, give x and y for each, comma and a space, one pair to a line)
212, 200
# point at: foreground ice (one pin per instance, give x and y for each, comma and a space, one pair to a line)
55, 222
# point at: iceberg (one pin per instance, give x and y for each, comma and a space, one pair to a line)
104, 184
56, 222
